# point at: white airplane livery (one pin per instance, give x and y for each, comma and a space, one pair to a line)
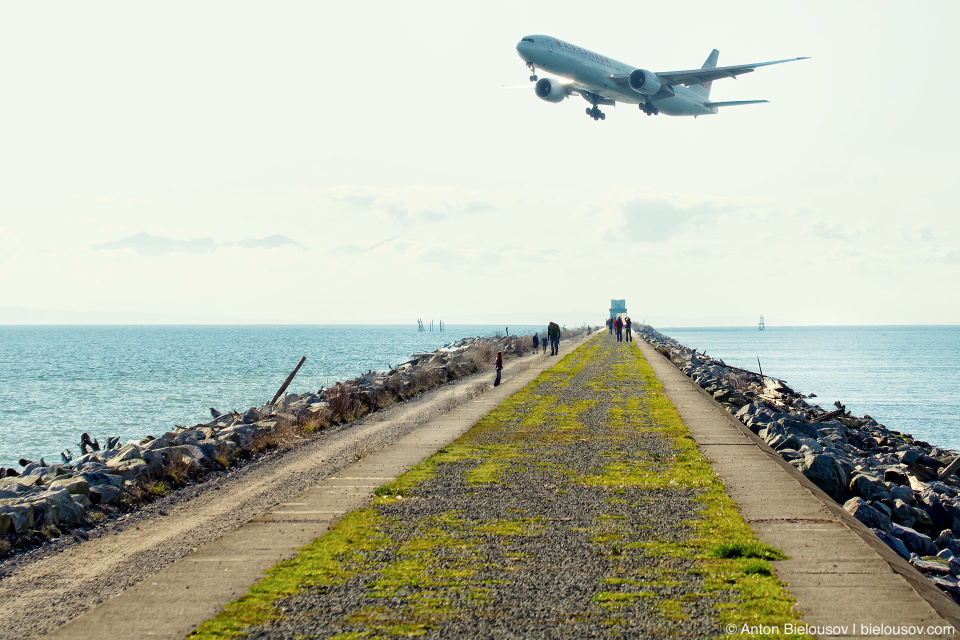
603, 81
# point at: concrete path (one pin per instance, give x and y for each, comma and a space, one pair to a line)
840, 573
184, 594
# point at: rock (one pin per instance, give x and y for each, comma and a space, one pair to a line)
869, 488
902, 511
909, 456
893, 542
76, 486
21, 517
895, 476
825, 472
250, 416
859, 509
915, 541
129, 452
931, 566
903, 493
104, 494
946, 554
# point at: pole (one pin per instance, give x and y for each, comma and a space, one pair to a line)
286, 383
761, 368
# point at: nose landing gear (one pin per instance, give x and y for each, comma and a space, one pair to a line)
596, 114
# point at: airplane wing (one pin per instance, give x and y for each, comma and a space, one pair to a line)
731, 103
691, 77
699, 76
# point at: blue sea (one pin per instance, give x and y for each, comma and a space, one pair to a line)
906, 378
58, 381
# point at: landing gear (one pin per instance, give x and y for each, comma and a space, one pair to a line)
533, 71
649, 109
596, 114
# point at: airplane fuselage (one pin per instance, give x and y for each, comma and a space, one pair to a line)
595, 70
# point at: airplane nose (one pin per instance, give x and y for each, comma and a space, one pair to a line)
523, 49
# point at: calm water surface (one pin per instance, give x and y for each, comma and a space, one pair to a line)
907, 378
58, 381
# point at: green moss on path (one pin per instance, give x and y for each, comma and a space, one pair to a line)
580, 506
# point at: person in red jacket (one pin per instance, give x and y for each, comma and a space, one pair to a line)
499, 366
618, 325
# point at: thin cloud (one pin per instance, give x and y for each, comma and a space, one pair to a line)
659, 220
150, 245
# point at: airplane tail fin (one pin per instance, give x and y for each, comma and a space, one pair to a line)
711, 62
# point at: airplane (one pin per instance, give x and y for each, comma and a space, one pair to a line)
603, 81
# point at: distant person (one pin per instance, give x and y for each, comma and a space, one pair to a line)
553, 332
536, 343
627, 323
499, 366
610, 325
618, 325
543, 341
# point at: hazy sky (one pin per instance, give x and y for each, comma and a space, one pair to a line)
317, 162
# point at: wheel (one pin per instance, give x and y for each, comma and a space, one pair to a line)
603, 116
533, 78
589, 111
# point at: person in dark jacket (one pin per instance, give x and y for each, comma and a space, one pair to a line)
618, 325
628, 323
553, 332
536, 343
499, 366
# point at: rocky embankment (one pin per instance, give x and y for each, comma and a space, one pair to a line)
897, 486
42, 500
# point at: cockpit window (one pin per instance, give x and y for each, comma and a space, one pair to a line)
526, 40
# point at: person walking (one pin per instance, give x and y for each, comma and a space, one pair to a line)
610, 325
627, 323
499, 366
618, 325
536, 344
543, 341
553, 332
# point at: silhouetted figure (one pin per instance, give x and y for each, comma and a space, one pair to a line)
86, 445
536, 343
499, 366
553, 332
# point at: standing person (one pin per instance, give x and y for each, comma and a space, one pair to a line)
536, 344
499, 366
610, 325
543, 341
627, 324
619, 326
553, 332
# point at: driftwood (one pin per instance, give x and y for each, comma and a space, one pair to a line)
950, 469
286, 383
823, 417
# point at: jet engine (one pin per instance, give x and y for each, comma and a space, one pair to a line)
645, 82
550, 90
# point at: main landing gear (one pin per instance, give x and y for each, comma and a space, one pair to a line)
649, 109
533, 71
596, 114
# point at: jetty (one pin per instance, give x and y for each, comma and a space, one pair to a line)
602, 493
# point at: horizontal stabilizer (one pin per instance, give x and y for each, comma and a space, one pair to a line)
732, 103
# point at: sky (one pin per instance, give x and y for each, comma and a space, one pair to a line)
379, 162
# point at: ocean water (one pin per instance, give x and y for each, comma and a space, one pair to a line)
58, 381
906, 378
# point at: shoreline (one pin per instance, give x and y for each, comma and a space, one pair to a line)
885, 479
42, 502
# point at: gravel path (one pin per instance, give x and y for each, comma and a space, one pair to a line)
44, 588
523, 536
